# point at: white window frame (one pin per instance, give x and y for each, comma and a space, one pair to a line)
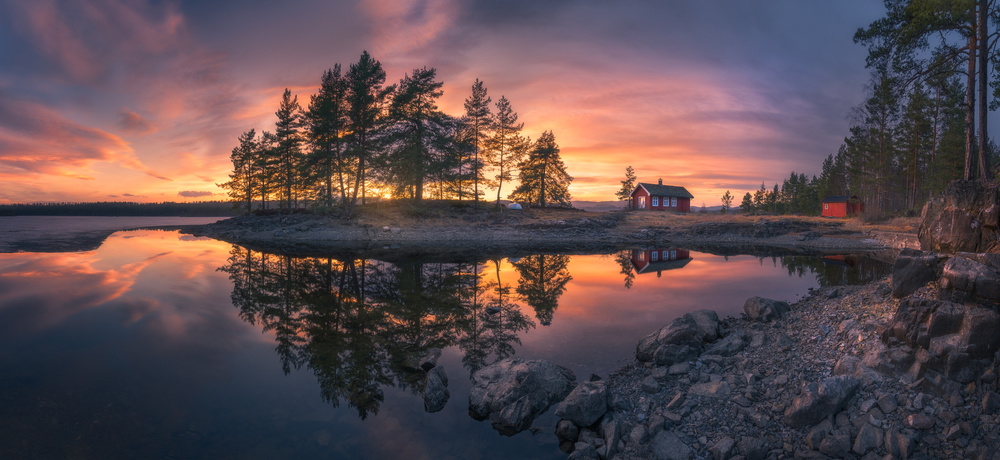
654, 256
655, 201
826, 206
673, 255
673, 202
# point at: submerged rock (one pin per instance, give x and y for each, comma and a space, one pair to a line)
512, 392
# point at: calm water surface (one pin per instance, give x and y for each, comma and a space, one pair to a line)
161, 345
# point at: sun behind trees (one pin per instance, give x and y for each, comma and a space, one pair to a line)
359, 139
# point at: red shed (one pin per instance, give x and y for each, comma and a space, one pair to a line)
658, 260
659, 197
842, 206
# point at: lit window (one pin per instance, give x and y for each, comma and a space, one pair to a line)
642, 256
673, 202
826, 205
656, 201
654, 256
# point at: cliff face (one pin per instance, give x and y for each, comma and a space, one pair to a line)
963, 218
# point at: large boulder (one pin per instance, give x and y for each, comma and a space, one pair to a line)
585, 404
679, 341
820, 400
765, 310
977, 274
913, 269
668, 446
512, 392
436, 392
963, 218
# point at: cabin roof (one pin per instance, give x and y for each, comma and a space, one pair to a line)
840, 198
664, 265
664, 190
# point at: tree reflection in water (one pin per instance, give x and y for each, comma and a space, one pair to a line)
361, 325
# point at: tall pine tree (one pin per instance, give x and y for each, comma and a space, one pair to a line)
543, 176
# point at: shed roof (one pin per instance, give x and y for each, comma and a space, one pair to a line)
665, 190
840, 198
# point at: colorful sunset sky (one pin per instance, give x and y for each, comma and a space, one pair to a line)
142, 100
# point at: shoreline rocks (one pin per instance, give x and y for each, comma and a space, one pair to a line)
512, 392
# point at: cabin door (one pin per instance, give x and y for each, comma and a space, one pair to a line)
642, 202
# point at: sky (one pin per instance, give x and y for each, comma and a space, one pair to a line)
143, 100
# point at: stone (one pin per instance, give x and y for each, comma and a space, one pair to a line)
918, 422
836, 445
722, 448
952, 432
754, 448
765, 310
846, 365
964, 273
990, 403
868, 438
720, 389
639, 435
900, 444
436, 392
676, 402
430, 359
912, 270
679, 368
660, 373
583, 451
887, 403
728, 346
962, 218
585, 404
650, 385
567, 431
820, 400
611, 429
707, 322
668, 446
679, 341
512, 392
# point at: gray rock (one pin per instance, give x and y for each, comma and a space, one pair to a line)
639, 435
991, 403
765, 310
887, 403
674, 343
650, 385
846, 365
868, 438
585, 404
668, 446
611, 429
754, 448
963, 218
430, 359
676, 402
820, 400
436, 392
818, 433
912, 270
583, 451
720, 389
836, 445
722, 448
707, 322
918, 421
965, 272
679, 368
512, 392
729, 346
900, 444
567, 431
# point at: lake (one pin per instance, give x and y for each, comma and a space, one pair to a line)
163, 345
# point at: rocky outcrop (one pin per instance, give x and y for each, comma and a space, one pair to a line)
976, 274
765, 310
512, 392
964, 218
912, 270
585, 405
679, 341
820, 400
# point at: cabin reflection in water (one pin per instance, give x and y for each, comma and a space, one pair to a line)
658, 260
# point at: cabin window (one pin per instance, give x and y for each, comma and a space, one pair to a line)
642, 256
656, 201
642, 202
826, 205
673, 255
654, 256
673, 202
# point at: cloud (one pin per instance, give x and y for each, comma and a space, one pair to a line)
194, 194
134, 123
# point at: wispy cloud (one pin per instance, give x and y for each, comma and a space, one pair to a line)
194, 194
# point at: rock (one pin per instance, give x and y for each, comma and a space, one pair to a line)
611, 429
567, 431
707, 322
836, 445
639, 435
912, 270
722, 448
585, 404
668, 446
991, 403
952, 432
846, 365
436, 392
679, 368
754, 448
729, 346
512, 392
963, 218
765, 310
430, 359
650, 385
676, 402
887, 403
720, 389
965, 272
820, 400
868, 438
900, 444
583, 451
680, 341
918, 422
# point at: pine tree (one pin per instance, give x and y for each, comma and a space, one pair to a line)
727, 201
477, 111
628, 184
747, 205
289, 152
365, 98
242, 184
506, 147
543, 175
326, 122
543, 279
418, 133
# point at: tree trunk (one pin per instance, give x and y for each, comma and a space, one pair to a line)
983, 109
970, 106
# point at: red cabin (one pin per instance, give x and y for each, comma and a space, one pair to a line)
658, 260
842, 206
659, 197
